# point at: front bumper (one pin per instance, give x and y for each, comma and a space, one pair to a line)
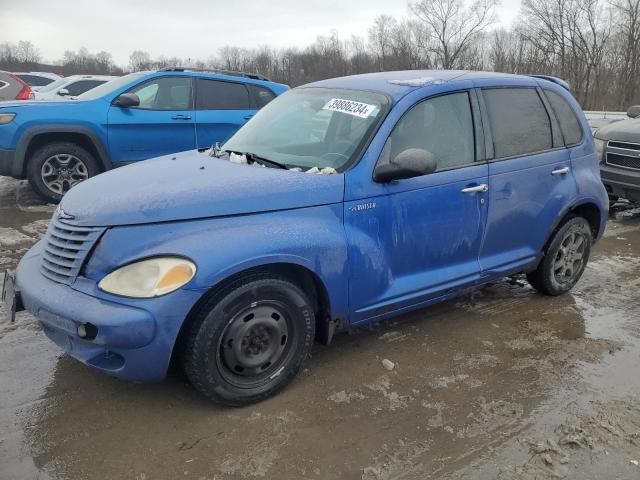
621, 182
7, 161
132, 343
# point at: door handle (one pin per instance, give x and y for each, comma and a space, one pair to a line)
483, 187
181, 117
561, 171
248, 117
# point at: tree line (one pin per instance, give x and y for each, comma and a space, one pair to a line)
593, 44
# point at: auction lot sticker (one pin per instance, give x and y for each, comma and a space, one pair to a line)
351, 107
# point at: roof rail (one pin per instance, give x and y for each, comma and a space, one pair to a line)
254, 76
556, 80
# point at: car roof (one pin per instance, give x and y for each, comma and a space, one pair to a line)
39, 74
398, 83
90, 77
213, 75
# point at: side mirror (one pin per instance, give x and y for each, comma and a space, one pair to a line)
634, 111
63, 92
126, 100
413, 162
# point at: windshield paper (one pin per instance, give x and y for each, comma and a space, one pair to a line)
350, 107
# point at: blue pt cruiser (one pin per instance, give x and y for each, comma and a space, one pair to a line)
341, 202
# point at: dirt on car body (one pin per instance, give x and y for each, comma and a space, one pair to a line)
502, 383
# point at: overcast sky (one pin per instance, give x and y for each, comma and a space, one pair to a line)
190, 28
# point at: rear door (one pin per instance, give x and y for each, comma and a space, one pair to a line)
530, 181
222, 107
163, 123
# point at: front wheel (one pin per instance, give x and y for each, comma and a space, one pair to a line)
565, 259
56, 167
249, 341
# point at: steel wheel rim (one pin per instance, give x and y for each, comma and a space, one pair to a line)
569, 260
255, 343
62, 171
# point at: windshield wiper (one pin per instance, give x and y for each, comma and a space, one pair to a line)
257, 158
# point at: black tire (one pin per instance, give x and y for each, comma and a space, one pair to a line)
236, 353
68, 165
565, 258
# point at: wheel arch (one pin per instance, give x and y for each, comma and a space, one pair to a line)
587, 209
305, 278
36, 137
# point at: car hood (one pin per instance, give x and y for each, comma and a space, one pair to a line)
192, 185
623, 131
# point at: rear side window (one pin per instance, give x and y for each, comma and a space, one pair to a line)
219, 95
261, 95
3, 84
569, 123
442, 125
78, 88
35, 80
519, 122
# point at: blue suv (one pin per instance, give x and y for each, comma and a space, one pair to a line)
139, 116
341, 202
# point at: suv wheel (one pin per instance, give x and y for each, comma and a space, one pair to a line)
249, 341
56, 167
565, 259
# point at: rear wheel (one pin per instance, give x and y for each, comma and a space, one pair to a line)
565, 259
56, 167
249, 341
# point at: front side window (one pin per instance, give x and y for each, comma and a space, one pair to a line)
442, 125
312, 127
569, 123
519, 122
219, 95
164, 93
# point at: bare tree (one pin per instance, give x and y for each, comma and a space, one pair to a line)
450, 26
627, 14
139, 60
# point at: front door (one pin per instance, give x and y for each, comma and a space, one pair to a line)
163, 123
419, 238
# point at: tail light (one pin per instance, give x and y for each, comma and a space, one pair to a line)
26, 93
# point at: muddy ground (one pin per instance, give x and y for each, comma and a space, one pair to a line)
504, 383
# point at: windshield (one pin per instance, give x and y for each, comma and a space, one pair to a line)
311, 127
53, 85
110, 86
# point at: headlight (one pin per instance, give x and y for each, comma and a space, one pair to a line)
599, 144
149, 278
6, 117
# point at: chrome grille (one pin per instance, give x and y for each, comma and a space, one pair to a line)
623, 154
66, 248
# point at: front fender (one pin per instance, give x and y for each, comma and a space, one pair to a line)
312, 238
29, 133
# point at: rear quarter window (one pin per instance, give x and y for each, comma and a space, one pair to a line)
519, 122
35, 80
261, 95
569, 123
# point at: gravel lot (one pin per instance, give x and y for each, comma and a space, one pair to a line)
503, 383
